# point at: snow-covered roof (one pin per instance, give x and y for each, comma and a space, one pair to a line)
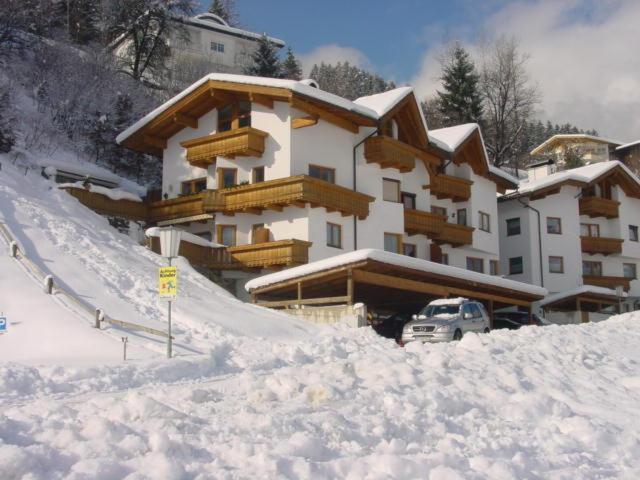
214, 22
293, 85
572, 136
449, 301
392, 259
186, 237
627, 145
585, 174
83, 169
584, 289
382, 103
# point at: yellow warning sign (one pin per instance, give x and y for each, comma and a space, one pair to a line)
168, 282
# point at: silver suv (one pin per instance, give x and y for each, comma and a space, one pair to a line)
447, 319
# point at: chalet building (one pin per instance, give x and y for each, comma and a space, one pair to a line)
590, 148
575, 233
282, 173
629, 154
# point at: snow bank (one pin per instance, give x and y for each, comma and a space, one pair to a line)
112, 193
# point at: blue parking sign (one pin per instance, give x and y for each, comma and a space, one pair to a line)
3, 324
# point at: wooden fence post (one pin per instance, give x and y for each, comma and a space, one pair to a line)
14, 249
48, 284
98, 318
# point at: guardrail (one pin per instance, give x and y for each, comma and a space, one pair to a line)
52, 288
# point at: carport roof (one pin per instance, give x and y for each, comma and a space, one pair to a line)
586, 293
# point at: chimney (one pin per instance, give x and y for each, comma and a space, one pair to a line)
538, 170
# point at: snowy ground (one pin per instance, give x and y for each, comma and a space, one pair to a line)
253, 393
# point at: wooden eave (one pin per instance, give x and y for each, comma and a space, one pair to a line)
618, 176
407, 115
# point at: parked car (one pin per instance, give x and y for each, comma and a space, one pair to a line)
391, 327
515, 320
446, 319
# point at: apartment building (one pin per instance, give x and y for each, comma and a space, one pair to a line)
589, 148
629, 154
282, 173
575, 232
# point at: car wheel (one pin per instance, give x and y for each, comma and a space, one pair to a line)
486, 330
457, 335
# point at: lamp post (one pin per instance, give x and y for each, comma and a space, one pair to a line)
169, 247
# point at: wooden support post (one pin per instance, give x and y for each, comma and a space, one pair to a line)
350, 287
14, 249
299, 290
530, 316
48, 284
490, 305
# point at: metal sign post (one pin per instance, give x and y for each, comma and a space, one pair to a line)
168, 276
3, 324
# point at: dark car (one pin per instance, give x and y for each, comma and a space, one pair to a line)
391, 327
515, 320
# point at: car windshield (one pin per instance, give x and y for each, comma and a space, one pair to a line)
440, 310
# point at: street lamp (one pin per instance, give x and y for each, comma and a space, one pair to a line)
169, 248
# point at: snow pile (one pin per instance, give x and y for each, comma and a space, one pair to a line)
185, 237
112, 193
541, 402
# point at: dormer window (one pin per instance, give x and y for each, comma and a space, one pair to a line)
234, 115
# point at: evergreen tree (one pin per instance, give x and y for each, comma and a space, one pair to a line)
265, 62
7, 135
226, 10
79, 18
348, 81
460, 102
291, 68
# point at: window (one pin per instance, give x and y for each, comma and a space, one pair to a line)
439, 210
334, 235
513, 226
409, 200
630, 270
445, 259
554, 225
485, 222
234, 115
475, 264
393, 242
556, 264
515, 266
227, 177
390, 190
589, 230
410, 250
227, 235
633, 233
475, 310
193, 186
593, 269
462, 216
259, 234
257, 175
494, 267
217, 47
323, 173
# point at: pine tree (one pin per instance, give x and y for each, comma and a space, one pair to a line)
348, 81
7, 135
460, 102
226, 10
79, 18
291, 68
265, 62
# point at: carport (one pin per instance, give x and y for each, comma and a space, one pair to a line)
582, 301
386, 281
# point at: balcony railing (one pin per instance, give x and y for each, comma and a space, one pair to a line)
426, 223
107, 206
240, 142
455, 235
389, 153
446, 186
180, 207
599, 207
607, 282
298, 191
603, 245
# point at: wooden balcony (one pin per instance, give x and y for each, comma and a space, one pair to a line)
181, 207
446, 186
603, 245
426, 223
107, 206
607, 282
455, 235
241, 142
599, 207
297, 191
389, 153
282, 253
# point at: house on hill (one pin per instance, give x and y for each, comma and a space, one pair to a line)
589, 148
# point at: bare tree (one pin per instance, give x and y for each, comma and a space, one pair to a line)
432, 110
509, 99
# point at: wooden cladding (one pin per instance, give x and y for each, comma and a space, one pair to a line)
426, 223
599, 207
180, 207
603, 245
389, 153
607, 282
298, 191
107, 206
245, 141
446, 186
454, 235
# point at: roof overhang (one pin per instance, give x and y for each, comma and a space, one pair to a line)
582, 299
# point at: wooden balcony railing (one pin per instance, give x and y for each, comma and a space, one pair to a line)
180, 207
298, 191
599, 207
107, 206
389, 153
446, 186
426, 223
603, 245
455, 235
282, 253
607, 282
241, 142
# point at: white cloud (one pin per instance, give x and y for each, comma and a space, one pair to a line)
584, 56
333, 53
